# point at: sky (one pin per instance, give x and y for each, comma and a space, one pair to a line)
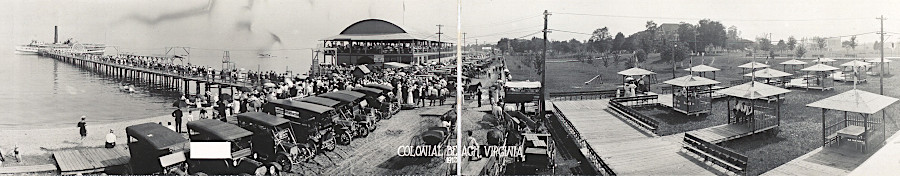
144, 26
490, 20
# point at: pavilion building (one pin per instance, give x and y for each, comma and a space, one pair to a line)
375, 41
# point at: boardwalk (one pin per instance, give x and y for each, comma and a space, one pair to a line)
90, 160
626, 149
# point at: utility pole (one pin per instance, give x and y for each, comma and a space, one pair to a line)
881, 75
440, 45
543, 103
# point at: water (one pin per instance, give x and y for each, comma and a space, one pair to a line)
40, 92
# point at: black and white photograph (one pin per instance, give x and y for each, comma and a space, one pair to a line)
449, 87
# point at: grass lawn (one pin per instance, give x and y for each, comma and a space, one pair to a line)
801, 126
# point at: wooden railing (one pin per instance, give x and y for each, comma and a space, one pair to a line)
592, 155
718, 155
638, 101
583, 95
641, 119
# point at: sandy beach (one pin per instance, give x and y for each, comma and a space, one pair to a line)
42, 141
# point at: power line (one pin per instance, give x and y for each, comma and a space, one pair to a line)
571, 32
687, 18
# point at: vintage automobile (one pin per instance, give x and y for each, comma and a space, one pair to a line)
345, 126
356, 104
394, 106
273, 141
313, 124
156, 149
377, 99
239, 162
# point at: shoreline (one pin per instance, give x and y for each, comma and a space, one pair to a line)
36, 141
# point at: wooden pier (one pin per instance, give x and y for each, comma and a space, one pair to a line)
90, 160
622, 146
153, 78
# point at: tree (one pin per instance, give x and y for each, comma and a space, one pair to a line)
764, 44
733, 32
876, 46
801, 51
791, 43
850, 43
600, 40
641, 55
688, 34
674, 53
820, 42
619, 42
781, 46
710, 33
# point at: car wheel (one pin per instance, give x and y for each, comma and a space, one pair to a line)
345, 138
283, 161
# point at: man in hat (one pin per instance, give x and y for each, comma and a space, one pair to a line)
177, 114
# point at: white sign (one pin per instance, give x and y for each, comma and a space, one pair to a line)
379, 58
210, 150
171, 159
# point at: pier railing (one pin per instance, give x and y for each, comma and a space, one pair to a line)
592, 155
631, 114
718, 155
583, 95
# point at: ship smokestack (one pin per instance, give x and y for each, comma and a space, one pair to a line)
55, 34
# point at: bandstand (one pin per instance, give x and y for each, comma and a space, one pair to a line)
772, 76
702, 69
854, 71
792, 63
755, 106
375, 41
817, 77
876, 65
647, 78
753, 66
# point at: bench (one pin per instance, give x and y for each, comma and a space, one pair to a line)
638, 118
718, 155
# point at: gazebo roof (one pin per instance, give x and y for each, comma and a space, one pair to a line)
754, 65
855, 101
824, 60
855, 63
878, 60
753, 90
793, 62
702, 68
635, 72
690, 81
819, 67
768, 73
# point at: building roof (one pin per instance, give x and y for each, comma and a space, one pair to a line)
690, 81
635, 72
217, 130
768, 73
702, 68
819, 67
375, 30
753, 90
855, 101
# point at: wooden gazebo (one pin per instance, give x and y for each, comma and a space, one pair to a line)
876, 63
827, 61
702, 69
752, 66
856, 125
818, 77
792, 63
772, 76
854, 71
639, 72
751, 104
692, 95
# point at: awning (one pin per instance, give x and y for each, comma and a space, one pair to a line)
753, 90
855, 101
768, 73
523, 84
396, 65
691, 81
702, 68
635, 72
819, 67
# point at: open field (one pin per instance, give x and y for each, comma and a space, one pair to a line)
800, 130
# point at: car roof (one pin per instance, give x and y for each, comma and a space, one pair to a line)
262, 119
218, 130
159, 137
